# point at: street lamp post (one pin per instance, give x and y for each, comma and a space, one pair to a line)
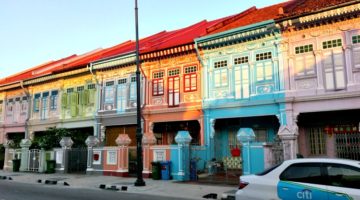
139, 181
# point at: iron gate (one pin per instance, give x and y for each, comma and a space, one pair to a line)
77, 160
33, 160
348, 145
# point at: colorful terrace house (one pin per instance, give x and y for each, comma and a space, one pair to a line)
243, 87
16, 110
116, 111
173, 105
321, 53
42, 93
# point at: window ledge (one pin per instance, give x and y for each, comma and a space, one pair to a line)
304, 77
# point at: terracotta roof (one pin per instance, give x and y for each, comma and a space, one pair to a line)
30, 73
300, 7
251, 16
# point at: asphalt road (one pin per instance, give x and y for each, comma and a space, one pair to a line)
21, 191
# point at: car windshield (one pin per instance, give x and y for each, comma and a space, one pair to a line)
268, 170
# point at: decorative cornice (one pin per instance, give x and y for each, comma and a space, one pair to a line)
113, 62
168, 52
55, 76
331, 13
237, 35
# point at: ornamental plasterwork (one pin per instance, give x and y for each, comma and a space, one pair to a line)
191, 97
46, 86
157, 100
306, 83
80, 80
264, 89
319, 30
220, 93
14, 92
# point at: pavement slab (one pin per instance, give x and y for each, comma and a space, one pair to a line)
189, 190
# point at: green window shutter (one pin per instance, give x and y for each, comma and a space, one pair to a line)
86, 97
74, 104
92, 94
64, 101
81, 98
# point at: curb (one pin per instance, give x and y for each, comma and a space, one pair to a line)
6, 178
52, 182
113, 187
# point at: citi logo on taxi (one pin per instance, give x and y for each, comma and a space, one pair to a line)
304, 194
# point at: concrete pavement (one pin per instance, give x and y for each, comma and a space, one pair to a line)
167, 188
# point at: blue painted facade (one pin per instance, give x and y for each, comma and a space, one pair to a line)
243, 86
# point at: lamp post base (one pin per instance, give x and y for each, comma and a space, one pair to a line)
140, 182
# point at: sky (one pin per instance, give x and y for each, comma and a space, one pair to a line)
33, 32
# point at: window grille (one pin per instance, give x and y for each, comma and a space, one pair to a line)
110, 83
173, 72
303, 49
356, 39
332, 43
91, 86
190, 69
317, 141
158, 74
79, 89
122, 81
220, 64
69, 90
263, 56
241, 60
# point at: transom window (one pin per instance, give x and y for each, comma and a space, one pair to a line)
220, 64
263, 56
190, 69
241, 60
24, 98
91, 86
17, 99
45, 94
133, 79
332, 43
69, 90
122, 81
158, 74
174, 72
356, 39
80, 88
110, 83
304, 49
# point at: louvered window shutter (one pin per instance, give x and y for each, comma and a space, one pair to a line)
64, 100
74, 104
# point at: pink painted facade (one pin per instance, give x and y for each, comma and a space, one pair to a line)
322, 80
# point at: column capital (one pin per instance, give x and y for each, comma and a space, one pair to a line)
123, 140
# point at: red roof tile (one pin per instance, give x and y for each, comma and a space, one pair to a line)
299, 7
30, 73
250, 16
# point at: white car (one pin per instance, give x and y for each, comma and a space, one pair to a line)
306, 178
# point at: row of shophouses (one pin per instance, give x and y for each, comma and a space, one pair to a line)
289, 71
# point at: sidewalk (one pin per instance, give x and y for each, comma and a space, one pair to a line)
153, 187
